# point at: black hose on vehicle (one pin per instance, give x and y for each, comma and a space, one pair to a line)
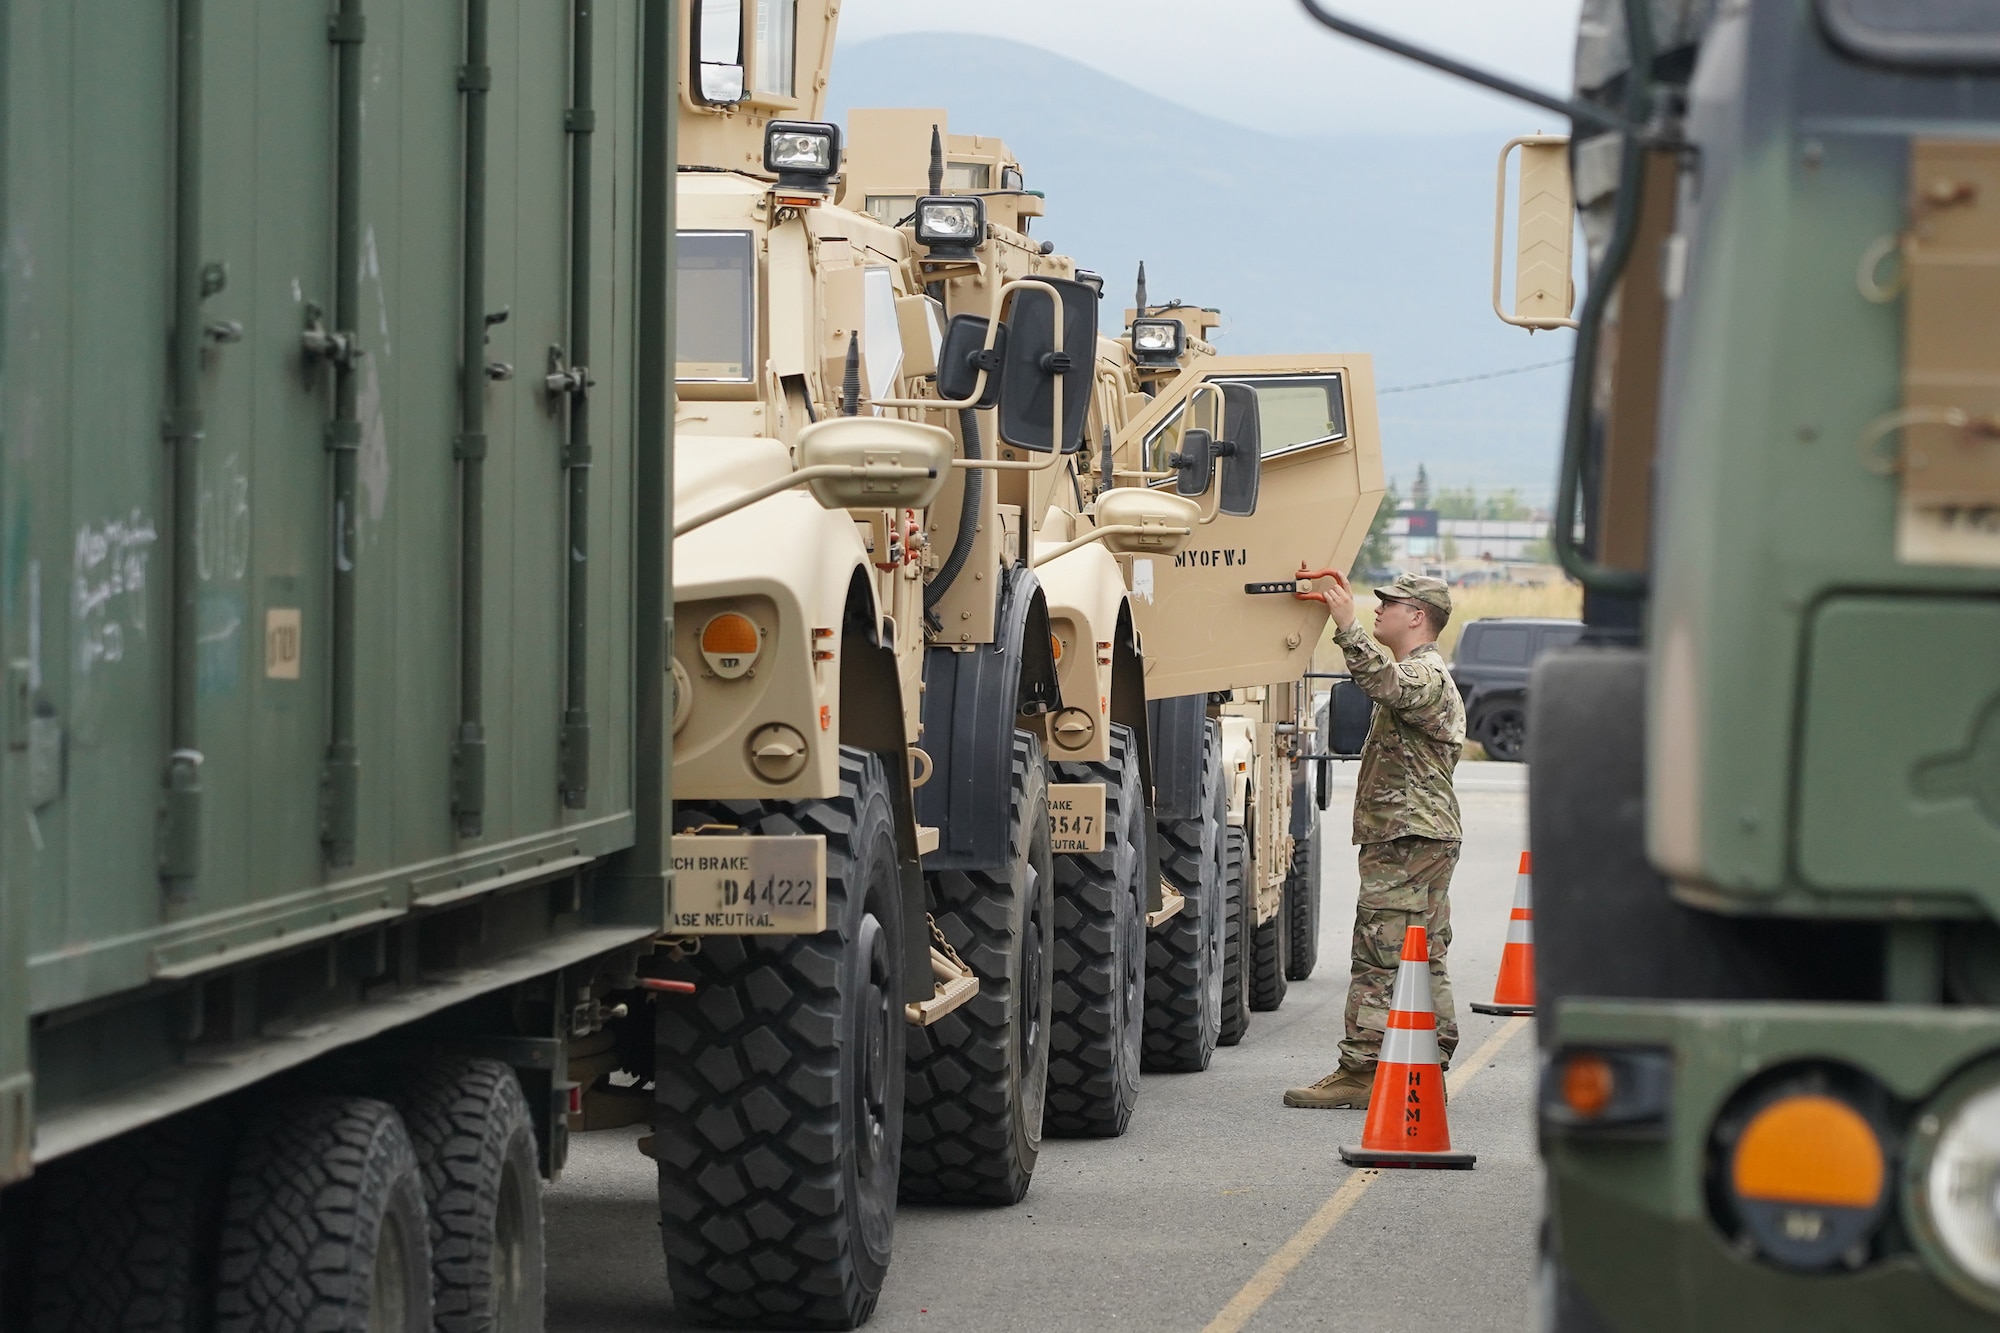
968, 514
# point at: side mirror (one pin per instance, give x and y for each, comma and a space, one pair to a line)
1194, 461
919, 457
1146, 521
718, 44
1349, 711
963, 354
1031, 367
1242, 453
1545, 222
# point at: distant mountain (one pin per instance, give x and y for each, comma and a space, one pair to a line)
1344, 242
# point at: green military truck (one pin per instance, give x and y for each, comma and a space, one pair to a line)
1765, 795
334, 428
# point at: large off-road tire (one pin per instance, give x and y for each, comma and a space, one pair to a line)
780, 1085
1184, 952
1236, 909
1100, 950
475, 1143
979, 1076
1270, 943
1302, 902
123, 1236
324, 1227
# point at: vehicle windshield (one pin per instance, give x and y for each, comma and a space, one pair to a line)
1294, 412
777, 43
715, 291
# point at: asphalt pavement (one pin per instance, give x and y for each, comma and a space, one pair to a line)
1220, 1209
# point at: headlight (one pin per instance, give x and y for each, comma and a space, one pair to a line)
1954, 1185
730, 643
802, 153
951, 224
1158, 339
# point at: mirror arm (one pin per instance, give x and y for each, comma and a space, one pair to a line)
1099, 534
1578, 110
867, 471
1209, 515
1500, 232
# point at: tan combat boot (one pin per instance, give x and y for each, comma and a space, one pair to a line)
1339, 1091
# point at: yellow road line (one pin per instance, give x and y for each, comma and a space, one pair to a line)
1264, 1284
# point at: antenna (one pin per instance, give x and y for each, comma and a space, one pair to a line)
850, 382
1140, 299
937, 161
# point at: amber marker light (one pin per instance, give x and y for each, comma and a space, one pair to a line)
1587, 1084
1809, 1178
730, 644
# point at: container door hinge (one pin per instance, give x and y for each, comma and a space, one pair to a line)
180, 822
468, 779
339, 788
574, 758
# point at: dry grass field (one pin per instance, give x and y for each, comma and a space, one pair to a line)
1558, 599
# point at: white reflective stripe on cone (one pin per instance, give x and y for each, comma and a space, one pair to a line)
1413, 988
1522, 895
1521, 930
1409, 1046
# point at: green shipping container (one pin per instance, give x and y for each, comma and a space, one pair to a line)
325, 713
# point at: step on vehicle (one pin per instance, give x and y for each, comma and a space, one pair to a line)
1767, 898
331, 804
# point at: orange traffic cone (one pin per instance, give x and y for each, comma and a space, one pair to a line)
1514, 993
1406, 1123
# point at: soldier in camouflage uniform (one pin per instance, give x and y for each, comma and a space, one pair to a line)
1405, 818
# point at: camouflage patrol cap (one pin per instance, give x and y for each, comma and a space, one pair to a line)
1417, 588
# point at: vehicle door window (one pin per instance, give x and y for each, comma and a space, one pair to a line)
777, 47
1299, 411
714, 300
881, 338
1504, 645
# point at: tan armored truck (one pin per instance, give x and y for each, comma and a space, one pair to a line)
864, 887
1221, 628
1195, 949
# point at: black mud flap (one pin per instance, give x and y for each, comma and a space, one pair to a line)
971, 701
1178, 728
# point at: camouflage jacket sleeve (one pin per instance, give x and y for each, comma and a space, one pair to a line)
1413, 689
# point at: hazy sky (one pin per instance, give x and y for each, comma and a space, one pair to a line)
1266, 63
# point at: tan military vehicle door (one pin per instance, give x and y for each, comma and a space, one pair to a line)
1219, 614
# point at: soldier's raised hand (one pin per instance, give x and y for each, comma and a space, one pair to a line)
1339, 600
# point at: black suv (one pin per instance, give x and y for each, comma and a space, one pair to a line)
1491, 668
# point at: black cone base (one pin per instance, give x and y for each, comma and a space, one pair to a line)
1504, 1009
1435, 1161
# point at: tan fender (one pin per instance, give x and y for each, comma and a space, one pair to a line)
786, 563
1085, 589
